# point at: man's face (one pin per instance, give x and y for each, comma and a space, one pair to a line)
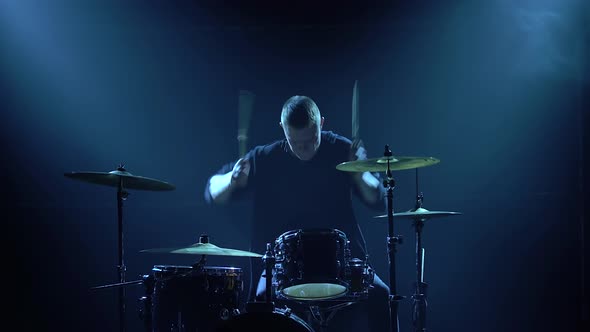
304, 142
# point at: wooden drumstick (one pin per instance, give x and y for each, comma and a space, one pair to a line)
355, 111
245, 106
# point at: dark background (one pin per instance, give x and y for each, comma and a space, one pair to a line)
497, 90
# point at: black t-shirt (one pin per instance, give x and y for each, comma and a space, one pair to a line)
288, 193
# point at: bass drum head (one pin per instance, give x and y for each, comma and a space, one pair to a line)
277, 320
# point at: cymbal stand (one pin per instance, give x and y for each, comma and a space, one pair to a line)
198, 266
269, 262
145, 302
268, 305
419, 302
392, 241
121, 269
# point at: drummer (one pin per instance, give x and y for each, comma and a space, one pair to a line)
294, 184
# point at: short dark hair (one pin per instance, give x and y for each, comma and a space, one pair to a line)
300, 112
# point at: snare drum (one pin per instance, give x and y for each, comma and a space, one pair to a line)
186, 298
311, 264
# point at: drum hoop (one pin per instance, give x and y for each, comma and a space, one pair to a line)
179, 270
171, 268
298, 232
276, 313
223, 271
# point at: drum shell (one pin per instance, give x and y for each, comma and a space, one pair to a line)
281, 320
307, 256
193, 298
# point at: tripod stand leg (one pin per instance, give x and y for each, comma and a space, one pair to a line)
419, 304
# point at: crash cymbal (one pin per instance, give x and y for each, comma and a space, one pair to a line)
112, 178
203, 249
421, 213
396, 163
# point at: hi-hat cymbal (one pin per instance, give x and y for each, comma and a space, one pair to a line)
203, 249
421, 213
129, 181
396, 163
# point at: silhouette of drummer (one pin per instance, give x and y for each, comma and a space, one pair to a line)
293, 184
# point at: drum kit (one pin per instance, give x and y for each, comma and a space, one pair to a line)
201, 297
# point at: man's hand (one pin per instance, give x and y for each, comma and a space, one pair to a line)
365, 181
240, 173
357, 150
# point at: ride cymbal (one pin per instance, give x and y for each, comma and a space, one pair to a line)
129, 181
420, 213
396, 163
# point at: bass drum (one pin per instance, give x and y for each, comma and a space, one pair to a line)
266, 321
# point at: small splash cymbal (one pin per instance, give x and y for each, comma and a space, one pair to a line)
203, 249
